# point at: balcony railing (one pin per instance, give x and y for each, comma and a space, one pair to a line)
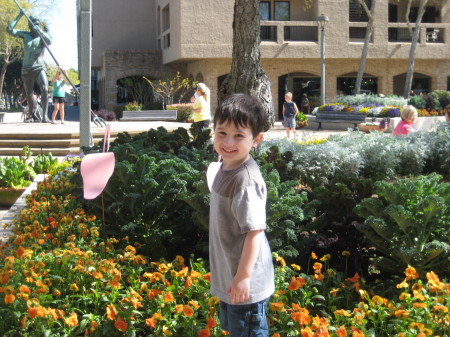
292, 31
307, 31
429, 33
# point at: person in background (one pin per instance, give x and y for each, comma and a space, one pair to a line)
201, 106
242, 272
305, 104
445, 104
409, 116
290, 110
59, 96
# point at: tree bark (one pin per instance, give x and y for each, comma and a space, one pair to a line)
412, 51
362, 64
246, 75
8, 57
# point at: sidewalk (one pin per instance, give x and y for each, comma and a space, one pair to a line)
13, 124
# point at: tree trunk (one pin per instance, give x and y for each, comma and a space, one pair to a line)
7, 60
246, 75
365, 51
412, 51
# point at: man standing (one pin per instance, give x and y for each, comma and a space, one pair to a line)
33, 66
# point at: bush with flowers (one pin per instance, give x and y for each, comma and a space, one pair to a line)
389, 106
63, 274
60, 277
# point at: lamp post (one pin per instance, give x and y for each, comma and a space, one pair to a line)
321, 22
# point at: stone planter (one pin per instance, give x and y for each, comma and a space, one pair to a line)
367, 128
9, 195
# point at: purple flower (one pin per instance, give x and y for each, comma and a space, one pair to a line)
395, 112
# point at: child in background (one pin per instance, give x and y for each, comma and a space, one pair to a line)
409, 116
242, 272
290, 110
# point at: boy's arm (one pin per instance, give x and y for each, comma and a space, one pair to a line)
239, 289
295, 109
282, 111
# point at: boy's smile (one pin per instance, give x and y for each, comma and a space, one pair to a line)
234, 143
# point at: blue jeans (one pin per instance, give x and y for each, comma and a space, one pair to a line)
248, 320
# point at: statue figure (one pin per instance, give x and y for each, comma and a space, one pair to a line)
33, 66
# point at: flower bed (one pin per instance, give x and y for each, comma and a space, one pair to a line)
60, 277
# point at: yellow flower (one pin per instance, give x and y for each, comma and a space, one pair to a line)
296, 267
404, 296
403, 284
213, 301
72, 320
440, 308
74, 287
313, 256
280, 260
342, 312
377, 300
326, 257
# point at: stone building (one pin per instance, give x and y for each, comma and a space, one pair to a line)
155, 37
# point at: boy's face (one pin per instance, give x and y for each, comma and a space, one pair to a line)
287, 98
234, 143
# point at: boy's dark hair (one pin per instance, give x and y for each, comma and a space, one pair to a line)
243, 110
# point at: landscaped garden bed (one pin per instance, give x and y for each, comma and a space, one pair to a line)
358, 224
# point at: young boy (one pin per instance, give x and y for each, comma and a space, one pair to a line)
290, 110
242, 274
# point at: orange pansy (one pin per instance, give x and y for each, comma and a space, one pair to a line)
111, 312
120, 324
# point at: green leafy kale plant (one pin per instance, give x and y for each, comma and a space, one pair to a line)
408, 221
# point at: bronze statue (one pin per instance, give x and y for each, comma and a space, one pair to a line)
33, 66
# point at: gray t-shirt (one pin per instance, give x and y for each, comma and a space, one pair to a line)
238, 206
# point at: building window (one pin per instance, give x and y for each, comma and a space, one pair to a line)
264, 10
165, 18
428, 17
282, 11
356, 12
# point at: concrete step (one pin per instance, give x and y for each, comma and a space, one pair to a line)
45, 143
59, 152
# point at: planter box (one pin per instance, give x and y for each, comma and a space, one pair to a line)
341, 116
150, 115
368, 128
9, 195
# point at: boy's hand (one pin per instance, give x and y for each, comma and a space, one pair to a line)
239, 289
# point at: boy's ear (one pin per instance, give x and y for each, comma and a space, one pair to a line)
258, 139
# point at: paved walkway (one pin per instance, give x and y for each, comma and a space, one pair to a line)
13, 124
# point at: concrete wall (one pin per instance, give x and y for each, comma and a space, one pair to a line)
122, 25
129, 33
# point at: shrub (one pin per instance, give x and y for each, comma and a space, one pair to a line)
362, 99
408, 221
184, 111
133, 106
118, 110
